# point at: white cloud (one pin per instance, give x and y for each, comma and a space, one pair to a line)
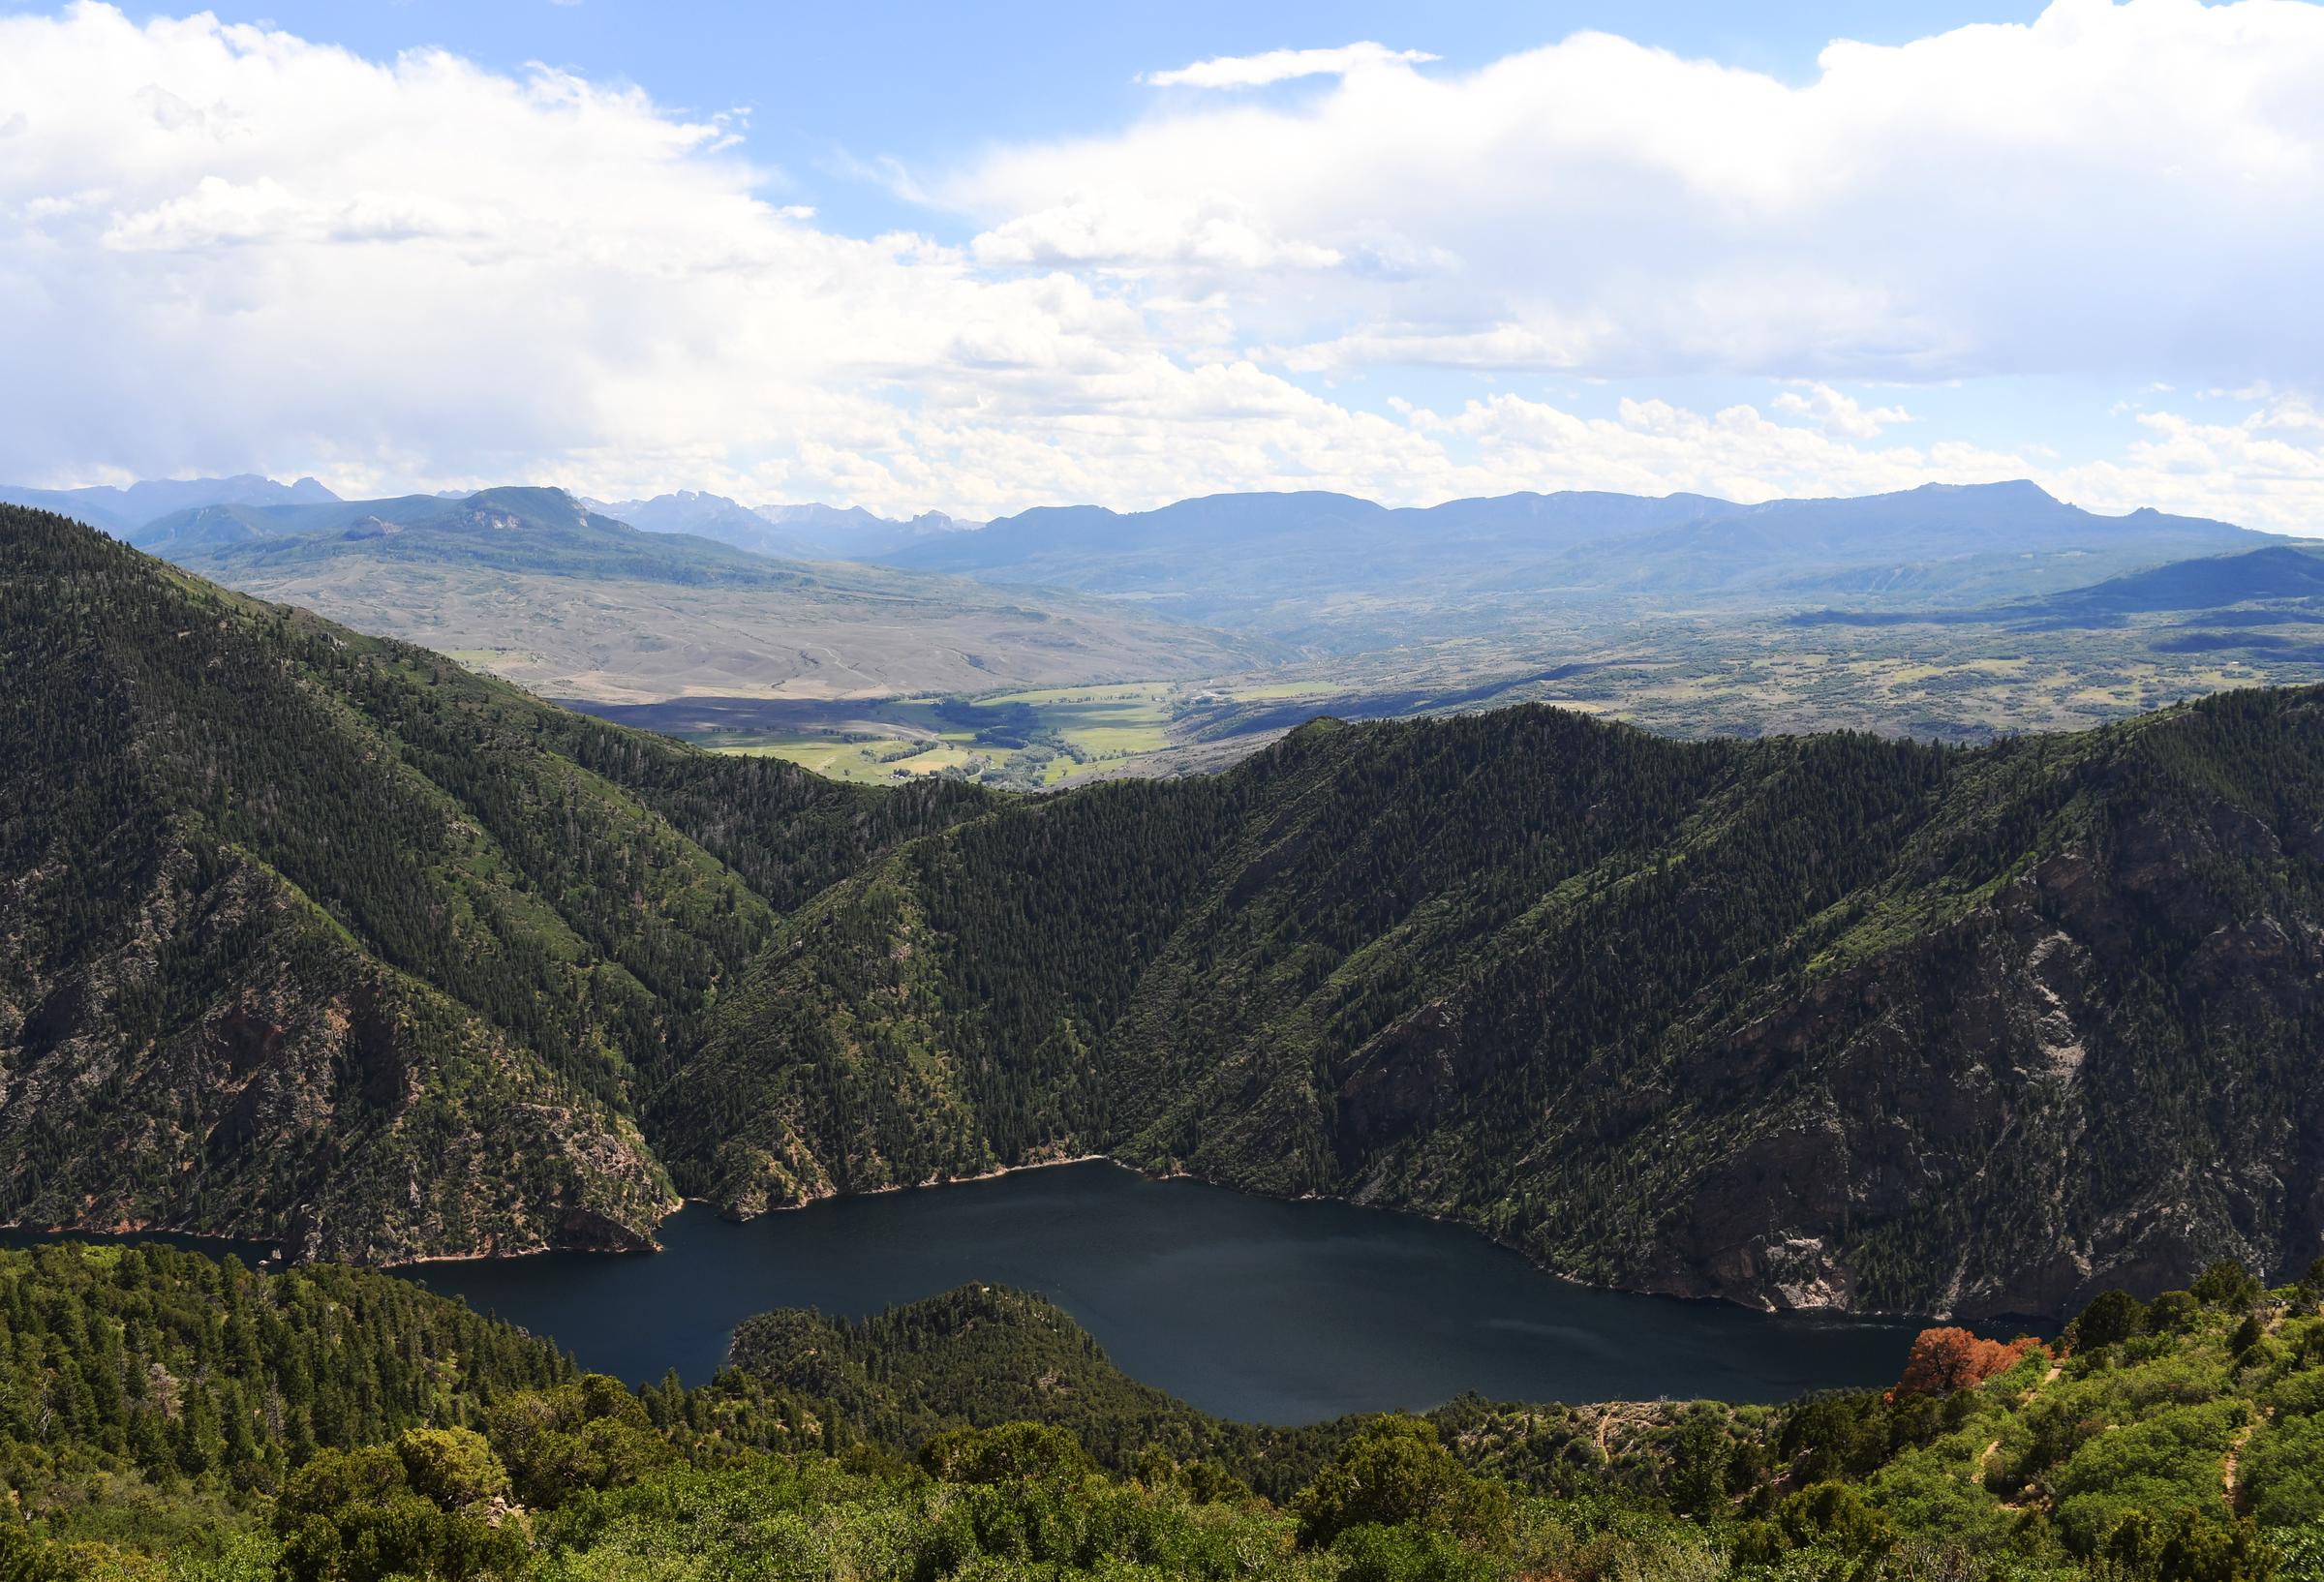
1654, 447
1285, 65
2131, 189
227, 248
1836, 413
1209, 231
2265, 472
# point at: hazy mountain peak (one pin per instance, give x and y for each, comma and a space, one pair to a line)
121, 510
815, 510
526, 506
2000, 488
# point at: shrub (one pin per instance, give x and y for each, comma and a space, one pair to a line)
1701, 1463
2279, 1476
2301, 1395
1374, 1553
358, 1517
2172, 1313
2226, 1284
2164, 1462
2300, 1551
2193, 1546
1835, 1435
1831, 1517
589, 1435
454, 1467
1392, 1471
1944, 1361
2111, 1316
1012, 1452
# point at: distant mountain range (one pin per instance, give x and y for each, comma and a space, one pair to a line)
795, 532
1209, 587
121, 511
521, 529
169, 513
1281, 562
532, 585
1340, 572
2265, 577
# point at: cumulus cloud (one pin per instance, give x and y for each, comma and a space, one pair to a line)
1837, 413
2134, 189
1210, 231
2266, 470
1654, 447
227, 248
1284, 65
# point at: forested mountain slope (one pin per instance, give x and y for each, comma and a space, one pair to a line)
311, 936
1826, 1021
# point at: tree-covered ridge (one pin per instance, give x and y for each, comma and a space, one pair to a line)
984, 1356
164, 1415
311, 936
1828, 1020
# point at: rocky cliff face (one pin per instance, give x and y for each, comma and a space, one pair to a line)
227, 1063
1993, 1084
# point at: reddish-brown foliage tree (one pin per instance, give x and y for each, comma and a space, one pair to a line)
1944, 1361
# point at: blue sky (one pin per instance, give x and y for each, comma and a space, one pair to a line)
973, 259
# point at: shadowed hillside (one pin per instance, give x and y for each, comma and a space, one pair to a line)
311, 936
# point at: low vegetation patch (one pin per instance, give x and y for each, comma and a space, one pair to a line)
166, 1414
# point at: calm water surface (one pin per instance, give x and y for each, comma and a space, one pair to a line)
1266, 1311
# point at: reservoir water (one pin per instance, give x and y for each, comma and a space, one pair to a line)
1248, 1307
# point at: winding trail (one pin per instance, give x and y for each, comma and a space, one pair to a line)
1985, 1456
1976, 1474
2235, 1451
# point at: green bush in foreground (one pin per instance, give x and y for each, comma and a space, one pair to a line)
2163, 1442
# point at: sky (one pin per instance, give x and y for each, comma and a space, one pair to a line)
975, 259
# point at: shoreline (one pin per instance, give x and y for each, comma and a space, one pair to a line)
40, 1233
936, 1181
654, 1245
268, 1254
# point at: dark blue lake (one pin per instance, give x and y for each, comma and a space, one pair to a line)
1248, 1307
